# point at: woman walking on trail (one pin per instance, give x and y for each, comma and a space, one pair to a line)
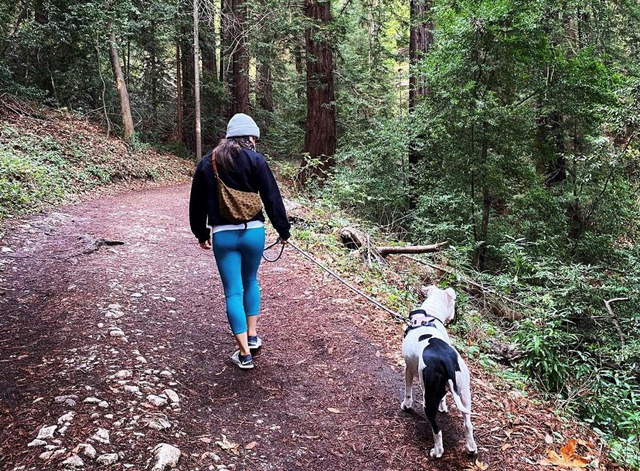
237, 247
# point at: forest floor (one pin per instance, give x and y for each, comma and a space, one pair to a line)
92, 336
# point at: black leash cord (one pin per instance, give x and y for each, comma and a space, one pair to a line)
273, 245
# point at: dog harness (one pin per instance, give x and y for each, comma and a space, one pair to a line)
425, 323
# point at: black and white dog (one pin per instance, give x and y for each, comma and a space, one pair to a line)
428, 353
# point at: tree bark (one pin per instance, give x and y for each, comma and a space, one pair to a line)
240, 60
265, 88
420, 41
196, 80
225, 42
123, 95
208, 43
179, 111
320, 137
481, 238
188, 78
384, 251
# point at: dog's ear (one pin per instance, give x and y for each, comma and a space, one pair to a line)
427, 290
451, 292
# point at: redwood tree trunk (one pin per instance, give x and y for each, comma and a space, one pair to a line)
240, 60
208, 40
320, 137
265, 88
179, 111
123, 95
188, 77
420, 41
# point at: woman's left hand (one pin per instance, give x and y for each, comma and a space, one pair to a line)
206, 245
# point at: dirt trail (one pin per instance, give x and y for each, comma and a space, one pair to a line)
149, 314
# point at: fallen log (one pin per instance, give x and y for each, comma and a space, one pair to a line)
403, 249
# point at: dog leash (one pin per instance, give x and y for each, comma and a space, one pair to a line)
278, 241
343, 281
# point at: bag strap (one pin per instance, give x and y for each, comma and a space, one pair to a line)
215, 164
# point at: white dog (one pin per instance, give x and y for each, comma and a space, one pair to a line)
427, 352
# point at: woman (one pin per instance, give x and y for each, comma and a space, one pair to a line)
237, 247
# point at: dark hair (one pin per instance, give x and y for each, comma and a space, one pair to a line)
227, 150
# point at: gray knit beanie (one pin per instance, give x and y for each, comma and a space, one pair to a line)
242, 125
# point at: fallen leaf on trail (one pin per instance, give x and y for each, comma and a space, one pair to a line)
477, 466
568, 458
505, 446
251, 445
227, 445
205, 440
335, 411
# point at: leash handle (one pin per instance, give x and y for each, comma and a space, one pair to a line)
278, 241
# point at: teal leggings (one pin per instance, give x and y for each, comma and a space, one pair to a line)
238, 254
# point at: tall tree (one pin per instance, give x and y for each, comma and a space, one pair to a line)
188, 76
320, 137
240, 85
420, 40
196, 80
121, 86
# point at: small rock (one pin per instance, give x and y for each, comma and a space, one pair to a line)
100, 325
53, 454
68, 417
114, 306
102, 436
108, 459
136, 295
62, 430
6, 250
61, 399
159, 423
156, 400
46, 432
123, 374
166, 374
74, 461
167, 456
103, 404
141, 359
116, 333
172, 395
92, 400
131, 389
87, 450
170, 299
37, 442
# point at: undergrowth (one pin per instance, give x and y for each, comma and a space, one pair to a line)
562, 336
38, 170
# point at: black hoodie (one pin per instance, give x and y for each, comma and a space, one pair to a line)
250, 173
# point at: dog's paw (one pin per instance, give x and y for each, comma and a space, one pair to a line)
436, 453
472, 450
406, 404
443, 407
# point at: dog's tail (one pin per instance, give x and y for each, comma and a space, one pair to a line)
456, 398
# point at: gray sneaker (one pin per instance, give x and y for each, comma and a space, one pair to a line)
254, 342
244, 362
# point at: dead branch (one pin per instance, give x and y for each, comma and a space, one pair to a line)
403, 249
498, 308
607, 304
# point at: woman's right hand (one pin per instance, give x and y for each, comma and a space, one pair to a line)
206, 245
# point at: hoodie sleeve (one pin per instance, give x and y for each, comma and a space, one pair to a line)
198, 205
272, 200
